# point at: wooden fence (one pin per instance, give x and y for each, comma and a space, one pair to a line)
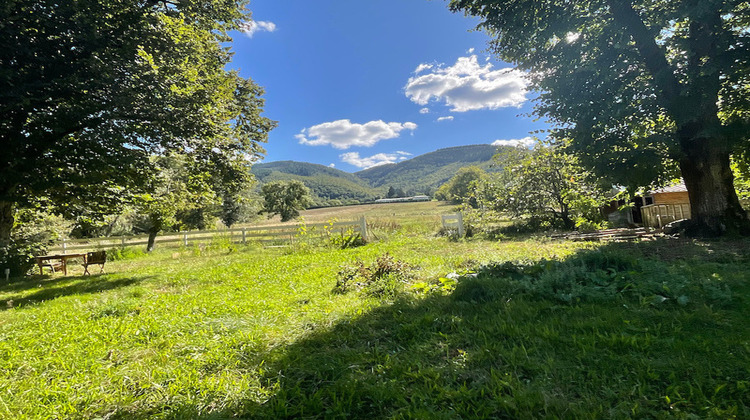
658, 215
276, 234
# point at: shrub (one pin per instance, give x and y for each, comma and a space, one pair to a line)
383, 278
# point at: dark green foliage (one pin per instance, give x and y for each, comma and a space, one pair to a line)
461, 188
544, 185
348, 240
285, 199
90, 90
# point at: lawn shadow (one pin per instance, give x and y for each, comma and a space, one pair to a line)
485, 351
52, 288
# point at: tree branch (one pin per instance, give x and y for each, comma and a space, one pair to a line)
654, 57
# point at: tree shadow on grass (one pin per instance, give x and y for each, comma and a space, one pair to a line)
19, 294
490, 351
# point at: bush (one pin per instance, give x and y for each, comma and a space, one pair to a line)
33, 233
19, 257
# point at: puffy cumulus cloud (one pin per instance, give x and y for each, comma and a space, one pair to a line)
249, 28
467, 86
332, 165
353, 158
448, 118
424, 111
343, 134
525, 142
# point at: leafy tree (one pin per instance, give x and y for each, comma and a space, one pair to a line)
90, 89
391, 192
544, 184
460, 188
178, 190
638, 85
285, 198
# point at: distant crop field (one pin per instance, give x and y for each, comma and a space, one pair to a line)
420, 215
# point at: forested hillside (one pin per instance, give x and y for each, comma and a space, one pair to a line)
419, 175
424, 173
329, 186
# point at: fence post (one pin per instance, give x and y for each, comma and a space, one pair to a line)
243, 236
363, 227
460, 219
65, 245
184, 239
123, 241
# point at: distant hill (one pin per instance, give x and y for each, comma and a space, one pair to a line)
423, 174
419, 175
329, 186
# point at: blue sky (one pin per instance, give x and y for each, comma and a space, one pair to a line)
359, 83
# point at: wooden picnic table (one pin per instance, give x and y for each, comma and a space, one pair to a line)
63, 258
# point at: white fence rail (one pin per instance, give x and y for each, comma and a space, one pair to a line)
262, 234
454, 221
658, 215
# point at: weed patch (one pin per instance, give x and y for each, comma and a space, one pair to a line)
384, 278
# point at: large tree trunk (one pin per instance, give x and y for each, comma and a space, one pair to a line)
6, 222
715, 208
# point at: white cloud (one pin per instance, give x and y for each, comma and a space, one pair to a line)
424, 111
448, 118
252, 26
525, 142
402, 153
467, 86
470, 51
353, 158
343, 134
422, 67
332, 165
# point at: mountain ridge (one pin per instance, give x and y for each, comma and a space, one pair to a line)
421, 174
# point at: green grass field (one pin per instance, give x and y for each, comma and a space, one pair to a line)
525, 328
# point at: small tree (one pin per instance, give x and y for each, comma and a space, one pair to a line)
460, 188
178, 187
544, 184
285, 198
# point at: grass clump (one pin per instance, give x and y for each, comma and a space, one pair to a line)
384, 278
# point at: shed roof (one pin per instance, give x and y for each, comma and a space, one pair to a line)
673, 189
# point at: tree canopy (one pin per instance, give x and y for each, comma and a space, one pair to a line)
285, 198
461, 187
638, 88
91, 89
546, 185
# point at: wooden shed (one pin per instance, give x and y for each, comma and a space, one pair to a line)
669, 204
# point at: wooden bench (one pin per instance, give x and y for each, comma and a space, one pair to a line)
94, 258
